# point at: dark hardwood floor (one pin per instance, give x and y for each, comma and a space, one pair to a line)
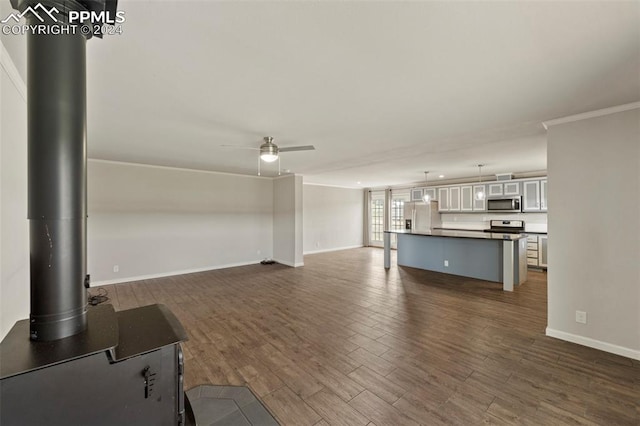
342, 341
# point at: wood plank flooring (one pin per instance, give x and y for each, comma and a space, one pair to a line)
342, 341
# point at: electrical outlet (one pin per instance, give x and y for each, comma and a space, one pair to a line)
446, 263
581, 317
116, 268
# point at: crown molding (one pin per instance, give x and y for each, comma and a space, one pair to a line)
10, 68
332, 186
182, 169
590, 114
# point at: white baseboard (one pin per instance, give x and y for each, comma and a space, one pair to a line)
172, 273
293, 265
592, 343
332, 249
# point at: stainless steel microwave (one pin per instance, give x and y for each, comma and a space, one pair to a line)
510, 204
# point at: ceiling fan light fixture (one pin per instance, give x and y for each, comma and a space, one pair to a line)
268, 150
269, 158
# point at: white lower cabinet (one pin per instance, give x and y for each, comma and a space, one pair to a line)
532, 250
537, 250
542, 251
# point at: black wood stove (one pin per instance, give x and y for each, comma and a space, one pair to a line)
71, 364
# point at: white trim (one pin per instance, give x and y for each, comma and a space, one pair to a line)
293, 265
333, 186
590, 114
332, 249
592, 343
284, 175
172, 273
182, 169
10, 68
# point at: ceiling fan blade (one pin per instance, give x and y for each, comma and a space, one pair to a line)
297, 148
239, 147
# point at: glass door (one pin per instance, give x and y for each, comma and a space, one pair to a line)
376, 218
397, 214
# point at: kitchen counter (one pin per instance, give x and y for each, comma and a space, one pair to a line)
458, 233
483, 255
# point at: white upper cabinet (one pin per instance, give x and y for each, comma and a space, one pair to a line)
454, 199
479, 205
432, 193
417, 194
461, 198
506, 189
495, 190
466, 198
511, 188
531, 198
443, 199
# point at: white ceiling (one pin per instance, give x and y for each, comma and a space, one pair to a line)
384, 90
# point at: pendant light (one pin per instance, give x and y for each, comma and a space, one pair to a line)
426, 197
480, 194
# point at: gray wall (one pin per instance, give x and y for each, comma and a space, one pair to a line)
333, 218
594, 231
153, 221
14, 228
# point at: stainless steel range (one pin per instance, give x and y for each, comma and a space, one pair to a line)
506, 226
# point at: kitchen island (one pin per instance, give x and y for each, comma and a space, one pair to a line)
484, 255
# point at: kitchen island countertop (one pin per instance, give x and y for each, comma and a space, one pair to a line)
456, 233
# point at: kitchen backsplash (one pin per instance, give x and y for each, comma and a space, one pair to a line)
533, 222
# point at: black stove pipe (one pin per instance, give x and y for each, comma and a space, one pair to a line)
57, 160
131, 358
57, 184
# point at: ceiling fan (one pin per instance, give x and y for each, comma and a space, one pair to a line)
270, 152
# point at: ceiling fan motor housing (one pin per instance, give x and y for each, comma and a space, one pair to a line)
268, 150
